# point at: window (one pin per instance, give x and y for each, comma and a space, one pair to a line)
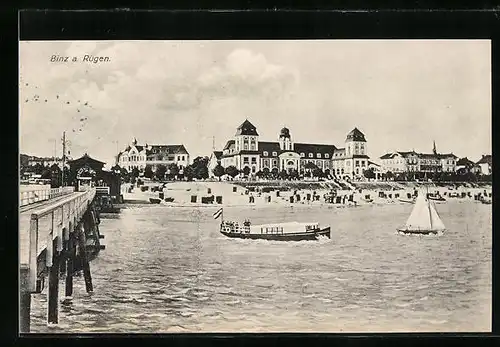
275, 162
253, 169
183, 157
362, 148
363, 163
327, 155
318, 155
252, 143
275, 154
254, 160
266, 162
357, 163
245, 159
356, 148
302, 155
265, 153
310, 155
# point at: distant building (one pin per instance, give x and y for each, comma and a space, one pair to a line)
45, 161
138, 156
351, 160
485, 164
465, 165
245, 150
214, 160
412, 161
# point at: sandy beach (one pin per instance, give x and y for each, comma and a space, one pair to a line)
237, 195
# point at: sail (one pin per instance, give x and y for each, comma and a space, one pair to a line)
437, 223
420, 218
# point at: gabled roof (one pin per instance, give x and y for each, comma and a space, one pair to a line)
217, 154
372, 163
355, 135
247, 128
85, 158
166, 149
486, 159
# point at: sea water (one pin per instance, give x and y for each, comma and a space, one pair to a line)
168, 269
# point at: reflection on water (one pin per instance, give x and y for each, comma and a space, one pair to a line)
169, 270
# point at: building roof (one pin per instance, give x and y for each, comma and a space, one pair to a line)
465, 162
314, 148
217, 154
486, 159
85, 158
355, 135
166, 149
372, 163
247, 128
269, 147
228, 144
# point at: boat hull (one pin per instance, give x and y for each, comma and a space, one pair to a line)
300, 236
419, 232
154, 200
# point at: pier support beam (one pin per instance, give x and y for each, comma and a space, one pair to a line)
85, 261
70, 258
53, 294
25, 301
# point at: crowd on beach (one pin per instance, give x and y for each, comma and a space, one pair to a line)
206, 194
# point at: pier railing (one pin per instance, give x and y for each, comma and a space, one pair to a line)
31, 196
50, 223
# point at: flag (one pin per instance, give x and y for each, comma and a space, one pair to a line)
218, 213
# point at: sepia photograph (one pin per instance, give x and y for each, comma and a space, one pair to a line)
252, 186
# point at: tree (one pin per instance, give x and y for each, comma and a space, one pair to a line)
327, 173
310, 167
265, 172
218, 171
232, 171
293, 174
172, 170
283, 174
274, 172
200, 167
135, 172
317, 172
188, 173
246, 170
389, 175
369, 173
160, 171
148, 172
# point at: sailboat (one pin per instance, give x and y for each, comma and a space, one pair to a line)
424, 219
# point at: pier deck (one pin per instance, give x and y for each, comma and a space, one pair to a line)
56, 234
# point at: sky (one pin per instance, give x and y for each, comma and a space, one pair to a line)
402, 94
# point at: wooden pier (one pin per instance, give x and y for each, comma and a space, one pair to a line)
57, 237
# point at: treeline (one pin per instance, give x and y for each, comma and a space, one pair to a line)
310, 170
197, 170
51, 172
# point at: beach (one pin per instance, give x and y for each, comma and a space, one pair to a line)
234, 195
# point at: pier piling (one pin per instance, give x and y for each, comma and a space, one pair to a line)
24, 301
53, 294
85, 261
70, 258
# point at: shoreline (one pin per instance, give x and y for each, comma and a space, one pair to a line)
233, 195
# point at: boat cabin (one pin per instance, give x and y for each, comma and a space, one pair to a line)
279, 228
